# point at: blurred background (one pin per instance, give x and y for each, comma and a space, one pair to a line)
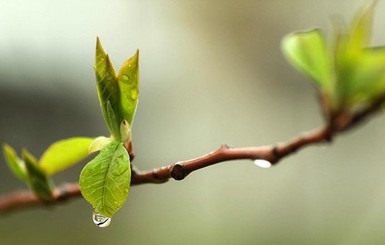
211, 73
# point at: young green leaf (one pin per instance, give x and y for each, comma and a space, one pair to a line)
128, 78
366, 79
98, 144
362, 27
105, 181
306, 50
37, 180
15, 164
118, 94
350, 75
113, 120
64, 154
360, 70
108, 89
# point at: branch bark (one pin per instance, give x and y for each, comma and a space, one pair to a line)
180, 170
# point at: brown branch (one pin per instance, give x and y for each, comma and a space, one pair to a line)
179, 170
23, 199
273, 154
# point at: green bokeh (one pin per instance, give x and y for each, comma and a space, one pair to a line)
211, 73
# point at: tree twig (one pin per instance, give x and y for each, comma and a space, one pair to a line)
180, 170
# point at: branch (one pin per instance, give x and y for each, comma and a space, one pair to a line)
180, 170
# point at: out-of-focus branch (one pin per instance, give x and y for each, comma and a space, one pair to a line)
180, 170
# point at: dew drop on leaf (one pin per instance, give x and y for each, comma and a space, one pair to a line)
100, 220
125, 77
262, 163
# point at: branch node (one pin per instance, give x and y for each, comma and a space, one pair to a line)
275, 152
226, 146
157, 176
178, 172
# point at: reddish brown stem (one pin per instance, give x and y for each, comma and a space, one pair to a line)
179, 170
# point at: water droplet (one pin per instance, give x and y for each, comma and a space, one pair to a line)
134, 93
100, 220
262, 163
125, 77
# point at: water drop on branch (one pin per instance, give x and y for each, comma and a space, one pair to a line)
262, 163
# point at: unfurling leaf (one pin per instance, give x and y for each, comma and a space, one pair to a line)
37, 180
15, 164
105, 181
64, 154
307, 51
361, 28
118, 94
128, 78
349, 74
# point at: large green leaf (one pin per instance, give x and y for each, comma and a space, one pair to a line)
64, 154
306, 50
105, 181
15, 164
37, 180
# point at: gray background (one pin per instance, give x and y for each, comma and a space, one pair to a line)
211, 73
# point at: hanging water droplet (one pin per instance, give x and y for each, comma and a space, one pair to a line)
262, 163
100, 220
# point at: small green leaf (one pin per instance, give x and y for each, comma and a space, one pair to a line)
37, 180
306, 50
362, 26
108, 90
113, 121
15, 164
128, 78
64, 154
99, 143
360, 70
105, 181
366, 78
118, 94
